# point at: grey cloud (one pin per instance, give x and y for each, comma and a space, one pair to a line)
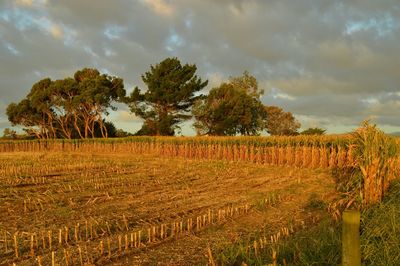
324, 57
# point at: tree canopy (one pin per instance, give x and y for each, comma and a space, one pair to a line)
232, 108
171, 92
279, 122
313, 131
68, 108
9, 134
75, 107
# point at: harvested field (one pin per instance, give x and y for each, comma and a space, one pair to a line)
125, 209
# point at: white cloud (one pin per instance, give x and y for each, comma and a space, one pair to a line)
160, 7
278, 94
113, 32
382, 26
370, 101
11, 48
126, 116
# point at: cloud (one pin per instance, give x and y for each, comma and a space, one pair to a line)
215, 79
56, 32
126, 116
160, 7
334, 64
24, 2
277, 94
29, 3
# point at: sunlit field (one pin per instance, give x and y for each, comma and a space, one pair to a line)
121, 208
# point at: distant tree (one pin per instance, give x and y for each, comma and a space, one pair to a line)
9, 134
170, 94
24, 114
313, 131
232, 108
109, 127
68, 108
279, 122
120, 133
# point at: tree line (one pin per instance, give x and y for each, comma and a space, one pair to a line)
76, 107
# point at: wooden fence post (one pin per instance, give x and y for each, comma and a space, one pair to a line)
351, 253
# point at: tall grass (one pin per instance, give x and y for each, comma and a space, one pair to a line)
380, 226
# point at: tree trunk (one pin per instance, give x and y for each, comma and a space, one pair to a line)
77, 127
103, 129
92, 124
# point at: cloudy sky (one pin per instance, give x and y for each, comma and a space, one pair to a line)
331, 63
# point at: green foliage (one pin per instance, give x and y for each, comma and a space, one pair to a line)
170, 94
230, 109
24, 114
317, 245
162, 127
380, 238
109, 127
120, 133
279, 122
321, 244
68, 107
9, 134
315, 203
313, 131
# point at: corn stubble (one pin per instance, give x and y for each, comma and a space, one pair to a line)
371, 154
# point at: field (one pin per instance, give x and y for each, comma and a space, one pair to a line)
196, 201
125, 208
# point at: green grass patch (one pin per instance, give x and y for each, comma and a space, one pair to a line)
380, 226
321, 244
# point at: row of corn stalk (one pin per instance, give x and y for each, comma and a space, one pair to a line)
319, 141
312, 152
377, 157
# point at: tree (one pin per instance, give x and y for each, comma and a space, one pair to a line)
313, 131
232, 108
247, 83
120, 133
96, 93
279, 122
24, 114
63, 95
9, 134
109, 127
170, 95
68, 108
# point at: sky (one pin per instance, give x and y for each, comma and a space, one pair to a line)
331, 63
